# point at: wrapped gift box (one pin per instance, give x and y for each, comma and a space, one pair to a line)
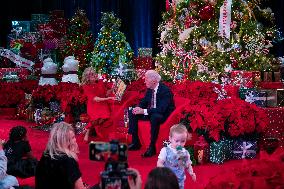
38, 19
277, 76
271, 97
143, 63
280, 97
201, 151
45, 30
271, 85
21, 26
145, 52
270, 76
191, 153
282, 72
244, 79
275, 129
257, 97
221, 151
275, 97
266, 76
21, 72
270, 144
244, 149
244, 91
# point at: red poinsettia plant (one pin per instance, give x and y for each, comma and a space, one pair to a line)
70, 94
44, 94
11, 94
65, 93
207, 113
138, 85
242, 117
17, 89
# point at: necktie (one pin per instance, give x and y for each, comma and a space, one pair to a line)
152, 99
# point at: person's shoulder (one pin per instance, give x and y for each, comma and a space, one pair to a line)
164, 149
164, 87
68, 160
24, 143
2, 153
63, 158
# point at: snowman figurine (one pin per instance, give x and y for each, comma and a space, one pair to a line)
48, 73
70, 69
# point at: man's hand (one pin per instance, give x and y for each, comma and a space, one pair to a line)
1, 143
137, 110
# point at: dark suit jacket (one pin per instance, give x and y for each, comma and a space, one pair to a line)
164, 101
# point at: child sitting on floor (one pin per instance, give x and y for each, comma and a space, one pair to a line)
21, 161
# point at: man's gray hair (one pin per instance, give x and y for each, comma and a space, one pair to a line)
153, 75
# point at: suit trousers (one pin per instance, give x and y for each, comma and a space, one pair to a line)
155, 119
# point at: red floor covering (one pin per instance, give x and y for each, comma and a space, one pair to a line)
91, 169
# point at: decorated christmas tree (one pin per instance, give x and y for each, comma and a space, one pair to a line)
202, 38
79, 42
112, 53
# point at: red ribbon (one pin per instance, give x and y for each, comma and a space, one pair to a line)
167, 5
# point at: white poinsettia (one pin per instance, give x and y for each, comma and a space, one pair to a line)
163, 36
228, 68
204, 42
185, 34
178, 1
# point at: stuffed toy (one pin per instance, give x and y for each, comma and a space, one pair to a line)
70, 70
48, 73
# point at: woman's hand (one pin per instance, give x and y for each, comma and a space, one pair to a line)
97, 99
112, 98
137, 183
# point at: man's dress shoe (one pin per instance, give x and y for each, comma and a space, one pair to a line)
133, 147
149, 152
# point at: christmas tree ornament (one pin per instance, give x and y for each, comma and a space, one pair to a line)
206, 12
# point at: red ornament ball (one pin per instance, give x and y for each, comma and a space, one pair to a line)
206, 13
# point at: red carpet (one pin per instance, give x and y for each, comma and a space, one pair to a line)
91, 169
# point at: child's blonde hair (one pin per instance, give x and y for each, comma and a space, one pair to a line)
178, 128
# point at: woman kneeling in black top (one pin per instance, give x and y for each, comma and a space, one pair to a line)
58, 167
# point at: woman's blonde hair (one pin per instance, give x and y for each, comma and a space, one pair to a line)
60, 141
89, 76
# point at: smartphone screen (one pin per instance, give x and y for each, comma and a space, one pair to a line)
99, 151
112, 183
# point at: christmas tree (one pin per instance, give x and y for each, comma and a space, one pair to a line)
202, 38
79, 42
112, 53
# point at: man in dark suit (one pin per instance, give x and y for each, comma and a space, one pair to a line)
156, 106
